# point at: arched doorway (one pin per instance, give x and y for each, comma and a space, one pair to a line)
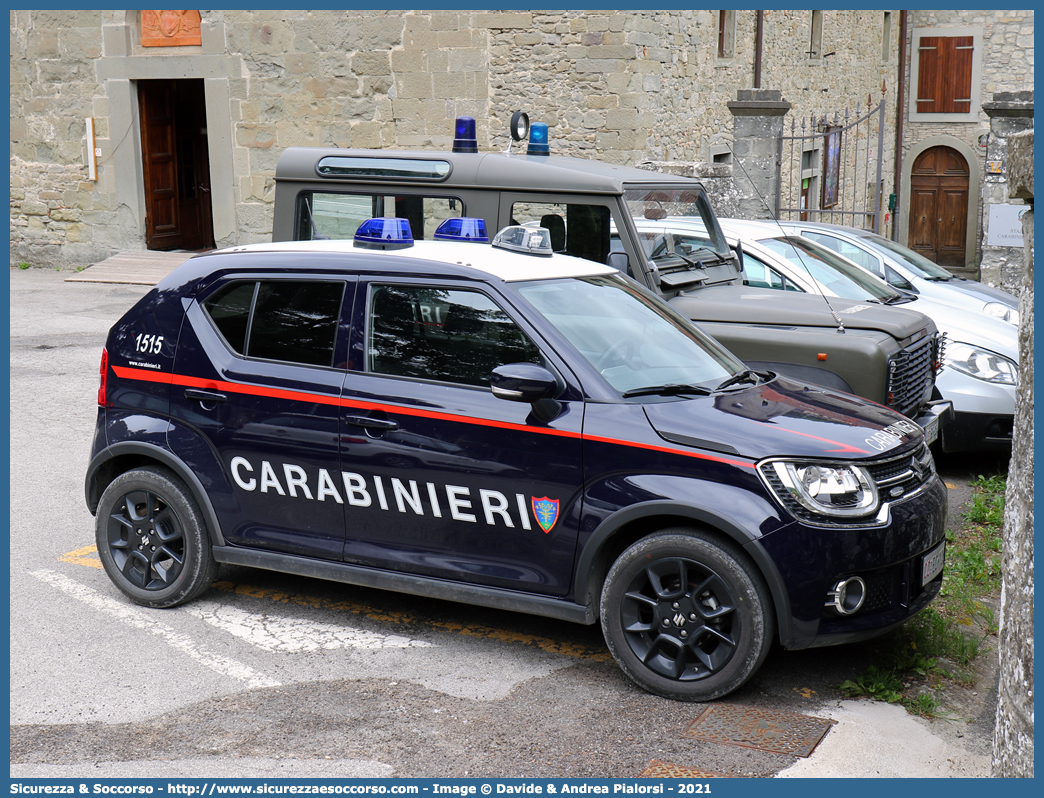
176, 165
939, 183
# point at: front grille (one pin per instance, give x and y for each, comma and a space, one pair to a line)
895, 477
911, 374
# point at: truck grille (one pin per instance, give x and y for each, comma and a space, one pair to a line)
911, 374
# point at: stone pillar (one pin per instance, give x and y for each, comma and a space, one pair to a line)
1013, 736
1010, 113
757, 126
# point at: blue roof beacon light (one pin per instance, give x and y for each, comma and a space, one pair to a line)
384, 233
538, 143
464, 228
464, 138
527, 240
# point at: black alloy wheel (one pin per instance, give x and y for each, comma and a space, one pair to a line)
152, 539
686, 615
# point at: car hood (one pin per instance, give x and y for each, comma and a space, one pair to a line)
962, 324
747, 305
976, 290
784, 418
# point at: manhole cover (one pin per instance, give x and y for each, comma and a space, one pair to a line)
764, 729
667, 770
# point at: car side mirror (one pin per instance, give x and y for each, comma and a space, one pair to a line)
527, 382
523, 382
739, 254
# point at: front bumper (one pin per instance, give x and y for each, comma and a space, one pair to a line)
812, 560
979, 432
937, 415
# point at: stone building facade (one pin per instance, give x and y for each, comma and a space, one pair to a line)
628, 87
1001, 104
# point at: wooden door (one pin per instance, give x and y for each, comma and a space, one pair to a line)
178, 211
159, 153
939, 206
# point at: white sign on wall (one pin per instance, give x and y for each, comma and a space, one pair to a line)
1005, 225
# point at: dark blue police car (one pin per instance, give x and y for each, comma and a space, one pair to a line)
501, 426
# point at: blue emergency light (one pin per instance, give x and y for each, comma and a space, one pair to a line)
538, 143
384, 233
464, 139
464, 228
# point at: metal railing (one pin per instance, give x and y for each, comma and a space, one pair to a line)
836, 157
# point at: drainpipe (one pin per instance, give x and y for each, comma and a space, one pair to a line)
900, 106
759, 41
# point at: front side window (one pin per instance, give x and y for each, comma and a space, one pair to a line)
285, 320
580, 230
760, 275
632, 339
443, 334
335, 215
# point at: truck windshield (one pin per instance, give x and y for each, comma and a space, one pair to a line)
675, 224
634, 340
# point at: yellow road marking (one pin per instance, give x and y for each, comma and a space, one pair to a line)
88, 555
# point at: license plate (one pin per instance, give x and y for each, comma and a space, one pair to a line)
932, 563
931, 430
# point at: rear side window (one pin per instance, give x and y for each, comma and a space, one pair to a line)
335, 215
286, 320
442, 334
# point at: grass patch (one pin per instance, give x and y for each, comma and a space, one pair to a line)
935, 648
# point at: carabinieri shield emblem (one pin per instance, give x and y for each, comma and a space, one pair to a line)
546, 512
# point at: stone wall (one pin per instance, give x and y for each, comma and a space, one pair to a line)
1010, 114
622, 86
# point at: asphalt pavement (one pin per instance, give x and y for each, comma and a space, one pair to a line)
52, 315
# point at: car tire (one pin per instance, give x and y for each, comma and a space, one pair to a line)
686, 615
152, 538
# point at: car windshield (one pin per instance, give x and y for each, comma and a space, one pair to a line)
632, 338
917, 262
829, 269
675, 224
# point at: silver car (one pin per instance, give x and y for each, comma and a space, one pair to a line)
907, 270
981, 360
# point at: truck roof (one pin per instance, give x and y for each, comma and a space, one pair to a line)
492, 170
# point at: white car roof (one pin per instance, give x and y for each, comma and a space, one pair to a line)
499, 263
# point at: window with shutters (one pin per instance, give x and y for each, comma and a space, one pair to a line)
946, 74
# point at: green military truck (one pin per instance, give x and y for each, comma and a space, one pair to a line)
658, 228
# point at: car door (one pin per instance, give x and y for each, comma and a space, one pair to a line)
442, 478
260, 365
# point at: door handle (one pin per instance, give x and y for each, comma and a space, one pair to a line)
371, 423
204, 396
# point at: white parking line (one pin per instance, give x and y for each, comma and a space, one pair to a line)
140, 620
275, 633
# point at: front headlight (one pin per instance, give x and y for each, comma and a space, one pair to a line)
1002, 312
841, 491
981, 363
